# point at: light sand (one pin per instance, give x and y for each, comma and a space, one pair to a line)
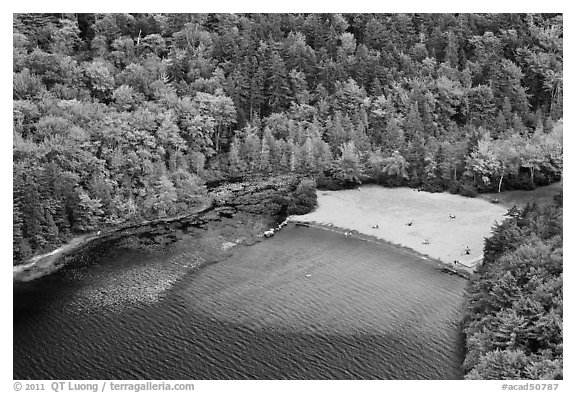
391, 208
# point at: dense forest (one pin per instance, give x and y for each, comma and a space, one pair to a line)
513, 322
122, 117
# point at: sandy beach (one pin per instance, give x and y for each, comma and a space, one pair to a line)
392, 208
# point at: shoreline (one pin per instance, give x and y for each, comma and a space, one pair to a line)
224, 202
462, 270
50, 262
433, 226
437, 226
342, 201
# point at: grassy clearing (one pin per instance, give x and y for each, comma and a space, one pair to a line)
522, 197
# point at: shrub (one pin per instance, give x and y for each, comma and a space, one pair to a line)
468, 190
304, 198
454, 187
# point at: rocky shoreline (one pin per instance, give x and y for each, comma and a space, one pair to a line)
264, 198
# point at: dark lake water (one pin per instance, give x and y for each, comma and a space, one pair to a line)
305, 304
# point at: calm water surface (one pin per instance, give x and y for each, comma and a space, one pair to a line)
306, 304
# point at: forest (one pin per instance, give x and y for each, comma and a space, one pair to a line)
123, 117
513, 322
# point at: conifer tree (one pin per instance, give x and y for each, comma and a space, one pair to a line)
451, 52
278, 91
413, 126
89, 212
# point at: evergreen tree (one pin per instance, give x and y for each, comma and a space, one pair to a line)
89, 213
481, 106
500, 126
278, 90
507, 85
413, 126
451, 52
106, 104
336, 134
19, 250
393, 138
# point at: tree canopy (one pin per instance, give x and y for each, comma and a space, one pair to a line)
513, 321
120, 117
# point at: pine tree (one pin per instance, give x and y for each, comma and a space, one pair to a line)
413, 126
360, 138
299, 87
517, 124
89, 212
507, 110
481, 109
17, 236
256, 89
451, 52
507, 84
376, 90
301, 57
393, 137
33, 216
498, 364
336, 134
500, 125
278, 90
415, 155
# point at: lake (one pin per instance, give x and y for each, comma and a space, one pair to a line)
305, 304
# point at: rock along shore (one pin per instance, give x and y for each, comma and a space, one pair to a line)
262, 197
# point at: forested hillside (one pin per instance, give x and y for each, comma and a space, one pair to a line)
121, 117
513, 322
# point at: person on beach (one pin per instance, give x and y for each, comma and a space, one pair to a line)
452, 215
409, 223
425, 241
467, 250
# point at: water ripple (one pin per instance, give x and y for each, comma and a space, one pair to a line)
306, 304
